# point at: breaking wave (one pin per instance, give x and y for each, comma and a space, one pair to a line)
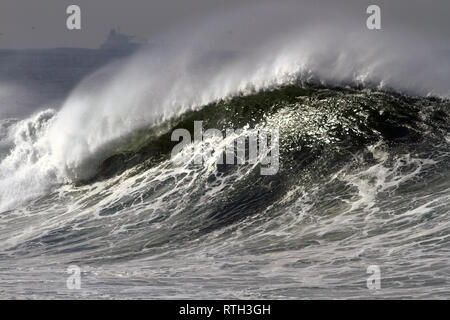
363, 179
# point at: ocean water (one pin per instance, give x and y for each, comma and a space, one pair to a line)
86, 177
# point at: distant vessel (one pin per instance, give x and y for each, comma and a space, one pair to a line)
119, 41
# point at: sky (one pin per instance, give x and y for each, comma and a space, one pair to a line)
42, 23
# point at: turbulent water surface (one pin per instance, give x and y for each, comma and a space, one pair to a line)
363, 180
86, 177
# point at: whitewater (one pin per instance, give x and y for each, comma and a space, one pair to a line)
364, 166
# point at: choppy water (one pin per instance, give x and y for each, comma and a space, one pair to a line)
363, 180
363, 116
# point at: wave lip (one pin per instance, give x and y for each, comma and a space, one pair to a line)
156, 85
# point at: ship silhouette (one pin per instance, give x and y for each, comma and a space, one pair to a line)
119, 42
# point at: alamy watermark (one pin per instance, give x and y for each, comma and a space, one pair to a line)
73, 21
262, 145
374, 281
373, 22
73, 281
